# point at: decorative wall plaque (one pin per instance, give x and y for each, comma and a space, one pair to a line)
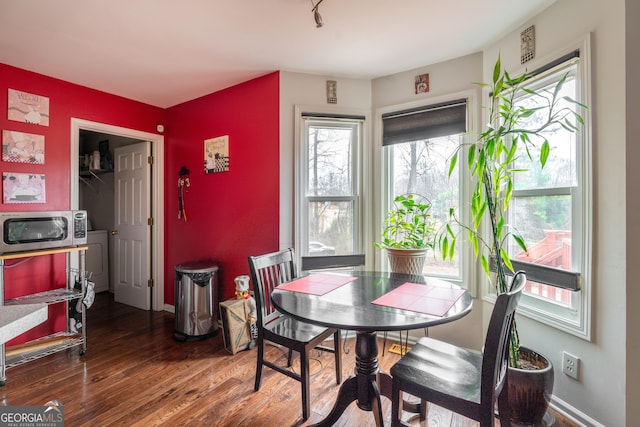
332, 92
216, 154
422, 83
527, 45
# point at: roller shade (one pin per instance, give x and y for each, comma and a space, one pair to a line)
426, 122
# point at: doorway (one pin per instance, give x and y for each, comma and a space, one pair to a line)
94, 192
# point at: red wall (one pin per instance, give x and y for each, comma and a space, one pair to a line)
66, 101
231, 215
234, 214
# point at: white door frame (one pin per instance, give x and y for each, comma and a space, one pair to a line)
157, 190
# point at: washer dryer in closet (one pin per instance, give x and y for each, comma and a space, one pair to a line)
97, 259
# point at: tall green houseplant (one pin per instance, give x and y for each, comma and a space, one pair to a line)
491, 160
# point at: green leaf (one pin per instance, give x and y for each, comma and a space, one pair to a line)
489, 147
471, 155
507, 195
496, 70
445, 248
452, 163
505, 259
498, 86
520, 241
499, 226
450, 230
479, 214
544, 153
485, 265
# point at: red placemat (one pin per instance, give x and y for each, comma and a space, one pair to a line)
429, 299
317, 284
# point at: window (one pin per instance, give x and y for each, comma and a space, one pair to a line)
329, 201
418, 143
550, 209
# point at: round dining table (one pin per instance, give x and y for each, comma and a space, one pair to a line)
350, 306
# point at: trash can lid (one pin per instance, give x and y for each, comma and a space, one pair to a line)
197, 267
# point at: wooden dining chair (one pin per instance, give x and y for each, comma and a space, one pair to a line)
461, 380
267, 272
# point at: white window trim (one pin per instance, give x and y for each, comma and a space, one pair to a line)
576, 320
361, 175
468, 266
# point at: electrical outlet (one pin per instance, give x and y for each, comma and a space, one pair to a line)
570, 365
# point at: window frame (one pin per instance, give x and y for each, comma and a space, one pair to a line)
383, 198
346, 118
575, 320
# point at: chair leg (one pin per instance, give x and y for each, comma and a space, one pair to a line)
396, 404
384, 341
304, 380
260, 359
338, 356
289, 358
423, 409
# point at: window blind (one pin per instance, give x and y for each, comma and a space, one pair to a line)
432, 121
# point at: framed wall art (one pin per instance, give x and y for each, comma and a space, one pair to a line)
216, 154
22, 147
422, 83
28, 108
23, 188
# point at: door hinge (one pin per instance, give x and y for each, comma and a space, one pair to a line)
150, 283
150, 160
150, 221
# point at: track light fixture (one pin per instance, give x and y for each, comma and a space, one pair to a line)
316, 13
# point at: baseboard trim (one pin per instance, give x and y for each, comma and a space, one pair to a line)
572, 413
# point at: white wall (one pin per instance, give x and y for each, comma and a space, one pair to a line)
600, 393
632, 90
445, 78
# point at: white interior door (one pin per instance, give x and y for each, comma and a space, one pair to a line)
132, 231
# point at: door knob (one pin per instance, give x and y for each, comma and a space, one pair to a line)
115, 232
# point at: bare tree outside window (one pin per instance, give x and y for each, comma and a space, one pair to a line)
331, 195
421, 167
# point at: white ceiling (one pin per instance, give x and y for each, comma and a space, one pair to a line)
164, 52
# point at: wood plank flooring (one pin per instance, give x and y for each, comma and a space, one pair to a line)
135, 374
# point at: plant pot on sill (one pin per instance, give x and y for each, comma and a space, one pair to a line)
530, 390
408, 261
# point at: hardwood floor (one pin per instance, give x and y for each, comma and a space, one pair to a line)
135, 374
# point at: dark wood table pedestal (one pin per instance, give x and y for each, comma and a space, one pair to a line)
366, 387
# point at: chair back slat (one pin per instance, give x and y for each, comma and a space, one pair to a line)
268, 271
495, 361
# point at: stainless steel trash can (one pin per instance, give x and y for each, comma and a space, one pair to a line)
196, 314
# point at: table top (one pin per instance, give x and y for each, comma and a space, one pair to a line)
350, 305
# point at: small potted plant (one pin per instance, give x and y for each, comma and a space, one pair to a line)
408, 233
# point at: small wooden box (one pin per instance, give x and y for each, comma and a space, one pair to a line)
235, 327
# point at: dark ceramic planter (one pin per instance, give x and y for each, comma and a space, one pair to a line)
530, 390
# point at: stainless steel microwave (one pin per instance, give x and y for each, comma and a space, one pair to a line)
28, 231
